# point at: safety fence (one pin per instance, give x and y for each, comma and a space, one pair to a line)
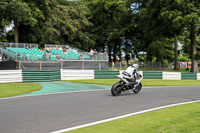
106, 74
7, 76
64, 74
40, 76
76, 74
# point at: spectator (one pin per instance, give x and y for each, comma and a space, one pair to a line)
95, 54
65, 51
44, 56
4, 46
50, 54
25, 56
58, 56
105, 54
18, 56
27, 48
47, 50
92, 54
4, 56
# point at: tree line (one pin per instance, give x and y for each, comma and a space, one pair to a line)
124, 27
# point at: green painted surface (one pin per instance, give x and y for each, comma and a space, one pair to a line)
152, 75
188, 76
40, 76
106, 74
59, 86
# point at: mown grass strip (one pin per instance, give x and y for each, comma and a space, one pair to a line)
145, 82
178, 119
14, 89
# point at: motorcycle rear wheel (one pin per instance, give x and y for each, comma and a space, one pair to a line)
116, 89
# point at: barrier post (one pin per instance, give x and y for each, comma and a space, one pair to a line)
83, 65
19, 65
112, 65
61, 64
99, 65
40, 65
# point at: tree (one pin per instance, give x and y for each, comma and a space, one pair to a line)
192, 19
173, 20
19, 12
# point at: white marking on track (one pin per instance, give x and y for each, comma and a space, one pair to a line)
123, 116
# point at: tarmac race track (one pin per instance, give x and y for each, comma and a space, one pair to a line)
48, 113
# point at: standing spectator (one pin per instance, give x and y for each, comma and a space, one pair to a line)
92, 53
50, 54
4, 56
58, 56
105, 54
25, 56
95, 54
18, 56
44, 56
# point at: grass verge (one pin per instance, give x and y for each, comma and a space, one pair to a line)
145, 82
14, 89
178, 119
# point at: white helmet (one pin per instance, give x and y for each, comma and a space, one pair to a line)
135, 65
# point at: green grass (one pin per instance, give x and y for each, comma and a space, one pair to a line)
178, 119
14, 89
145, 82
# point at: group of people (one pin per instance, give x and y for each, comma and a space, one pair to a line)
94, 53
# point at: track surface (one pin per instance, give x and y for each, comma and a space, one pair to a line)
47, 113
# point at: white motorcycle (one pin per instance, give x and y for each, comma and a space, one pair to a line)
127, 82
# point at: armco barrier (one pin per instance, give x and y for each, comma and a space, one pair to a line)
171, 75
152, 75
106, 74
43, 76
188, 76
40, 76
77, 74
7, 76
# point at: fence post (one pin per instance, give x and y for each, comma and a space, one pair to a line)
61, 64
99, 65
83, 65
19, 65
40, 65
120, 65
112, 65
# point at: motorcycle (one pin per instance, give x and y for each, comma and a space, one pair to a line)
127, 83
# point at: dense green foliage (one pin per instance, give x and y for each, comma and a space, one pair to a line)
124, 27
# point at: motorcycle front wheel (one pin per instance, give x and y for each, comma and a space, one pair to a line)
138, 88
116, 89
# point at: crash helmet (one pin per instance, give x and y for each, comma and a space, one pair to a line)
135, 66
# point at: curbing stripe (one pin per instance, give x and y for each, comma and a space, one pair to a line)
123, 116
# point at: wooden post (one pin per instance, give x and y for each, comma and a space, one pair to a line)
83, 65
99, 65
112, 65
40, 65
19, 65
